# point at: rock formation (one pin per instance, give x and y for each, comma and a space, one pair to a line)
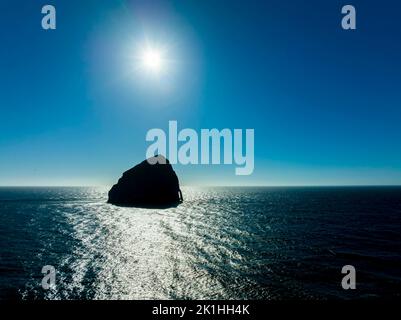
150, 184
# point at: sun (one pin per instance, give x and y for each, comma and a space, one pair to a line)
152, 60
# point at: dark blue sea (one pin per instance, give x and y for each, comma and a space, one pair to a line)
221, 243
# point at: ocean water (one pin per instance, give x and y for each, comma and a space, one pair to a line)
221, 243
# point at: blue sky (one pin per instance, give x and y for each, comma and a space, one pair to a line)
325, 103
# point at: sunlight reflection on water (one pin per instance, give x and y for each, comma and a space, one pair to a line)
132, 253
221, 243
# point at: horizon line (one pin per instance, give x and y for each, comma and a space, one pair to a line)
206, 186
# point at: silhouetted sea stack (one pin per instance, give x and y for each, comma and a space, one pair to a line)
150, 184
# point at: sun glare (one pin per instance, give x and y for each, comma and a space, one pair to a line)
152, 60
